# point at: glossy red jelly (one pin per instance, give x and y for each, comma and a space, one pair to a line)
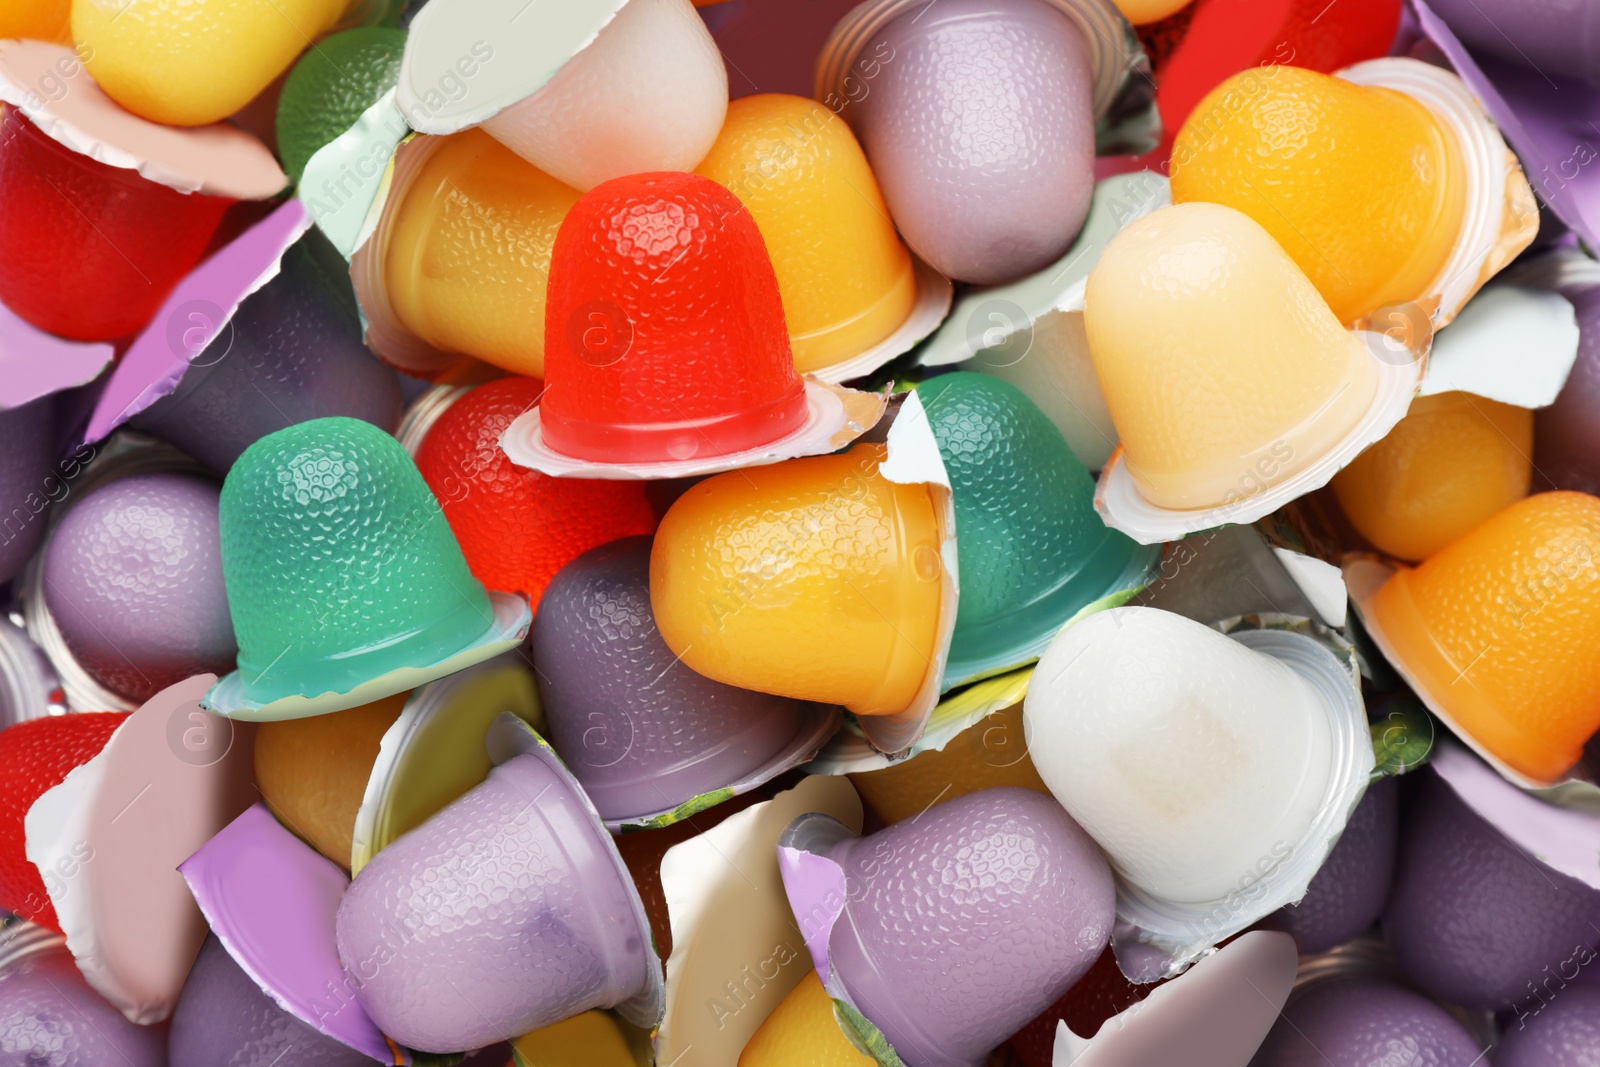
517, 527
89, 251
664, 334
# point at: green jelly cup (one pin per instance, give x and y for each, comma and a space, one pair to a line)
1032, 552
345, 582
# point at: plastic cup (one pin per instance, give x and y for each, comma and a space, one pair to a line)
27, 438
1474, 919
133, 577
817, 579
648, 95
291, 353
846, 280
1553, 37
42, 20
1363, 186
89, 251
664, 330
1357, 1021
1566, 437
518, 527
1224, 370
223, 1017
641, 731
1452, 462
1561, 1031
1496, 630
803, 1020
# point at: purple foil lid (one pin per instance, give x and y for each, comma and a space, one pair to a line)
194, 315
271, 900
35, 364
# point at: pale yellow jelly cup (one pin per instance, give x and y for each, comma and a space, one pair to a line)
467, 251
815, 578
1223, 369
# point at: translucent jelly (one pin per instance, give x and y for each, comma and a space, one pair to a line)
518, 527
846, 279
1453, 461
1500, 628
664, 331
801, 1032
816, 578
89, 251
1362, 186
42, 20
190, 62
468, 257
1224, 370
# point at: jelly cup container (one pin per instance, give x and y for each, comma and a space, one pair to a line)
585, 93
28, 685
148, 198
1216, 425
1524, 574
651, 741
128, 916
666, 349
853, 297
440, 966
1120, 708
302, 650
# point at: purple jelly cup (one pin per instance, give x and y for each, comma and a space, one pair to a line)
1550, 36
650, 740
509, 910
1563, 1032
1566, 435
27, 484
950, 931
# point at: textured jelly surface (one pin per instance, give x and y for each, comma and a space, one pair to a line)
845, 278
1566, 437
1358, 1022
225, 1020
483, 922
49, 1017
39, 753
979, 119
190, 62
313, 772
664, 330
331, 86
1348, 893
1452, 462
1147, 727
1474, 919
1032, 550
1224, 370
1562, 1033
89, 250
801, 1032
27, 485
1361, 186
518, 527
469, 254
641, 731
1551, 36
974, 917
816, 578
292, 353
339, 564
1501, 627
133, 577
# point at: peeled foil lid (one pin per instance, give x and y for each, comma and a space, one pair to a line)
48, 84
34, 364
1511, 343
345, 178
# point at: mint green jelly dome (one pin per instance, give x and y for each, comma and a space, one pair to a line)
339, 565
1032, 551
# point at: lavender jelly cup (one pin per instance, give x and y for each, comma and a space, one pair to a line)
1565, 1032
1360, 1021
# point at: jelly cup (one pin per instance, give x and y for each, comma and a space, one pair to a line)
1452, 462
1490, 632
804, 1020
1033, 551
1550, 36
1390, 185
593, 1038
1144, 12
853, 297
945, 933
344, 580
102, 213
189, 64
1566, 435
666, 351
651, 741
980, 120
458, 968
586, 94
40, 20
517, 527
27, 462
1565, 1027
49, 1014
1216, 771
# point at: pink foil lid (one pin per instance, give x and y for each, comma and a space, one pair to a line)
35, 364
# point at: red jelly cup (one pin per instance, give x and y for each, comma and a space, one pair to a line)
89, 251
664, 333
